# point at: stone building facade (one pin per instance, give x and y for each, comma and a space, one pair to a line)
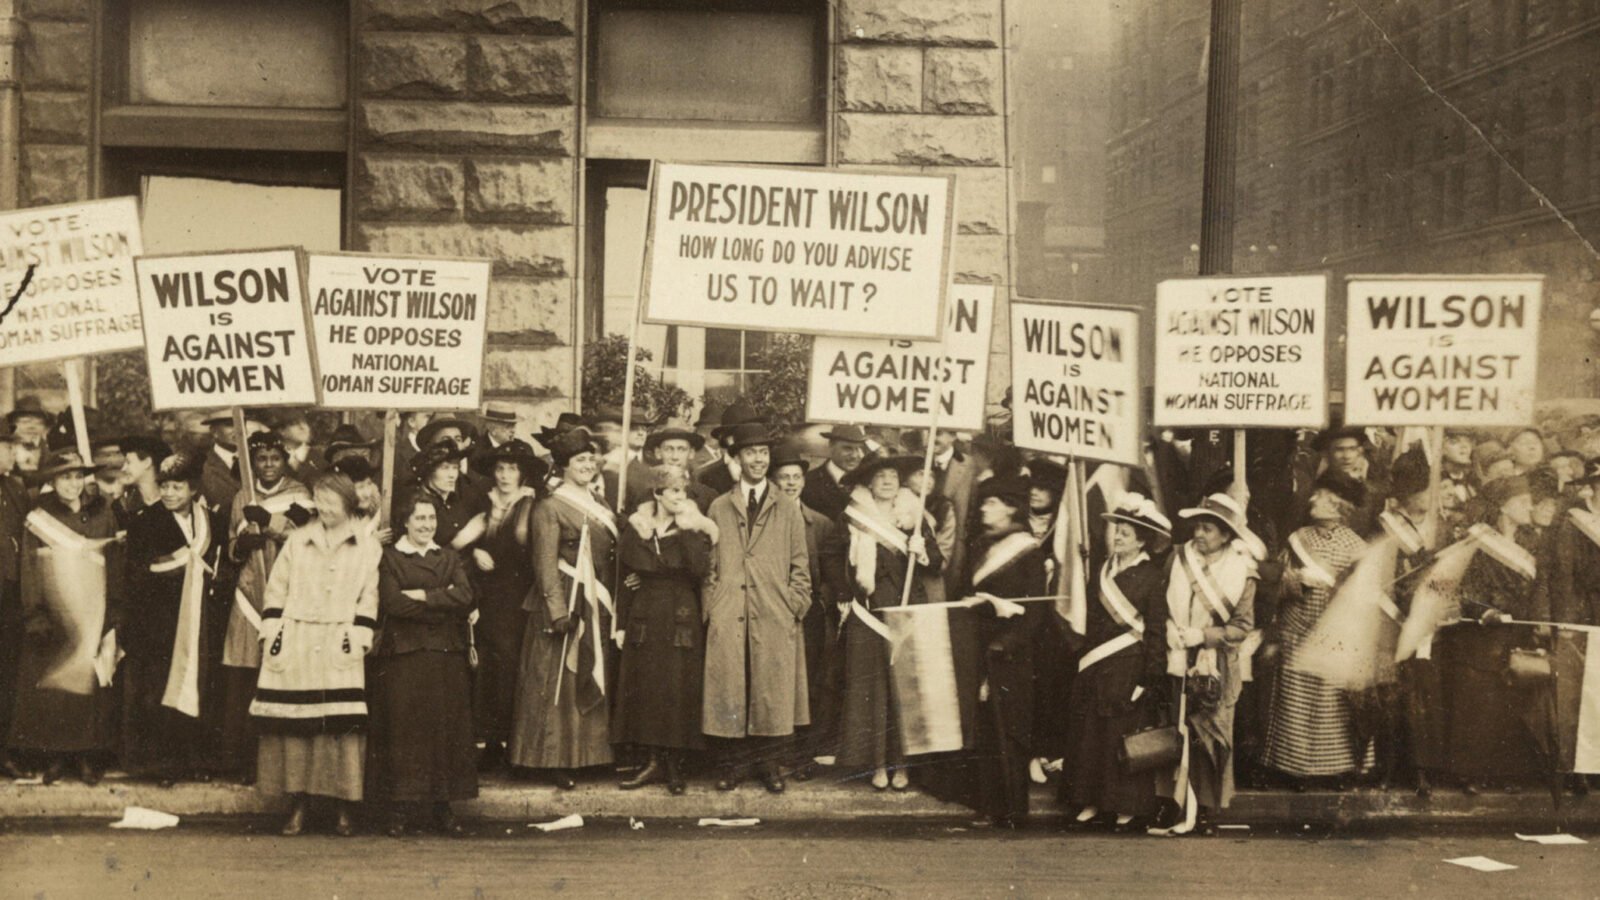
470, 128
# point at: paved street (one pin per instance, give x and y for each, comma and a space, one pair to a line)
678, 859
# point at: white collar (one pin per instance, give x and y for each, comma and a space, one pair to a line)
943, 459
759, 489
405, 546
834, 472
227, 456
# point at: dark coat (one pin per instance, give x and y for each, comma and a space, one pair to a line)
663, 658
218, 481
14, 508
455, 510
825, 495
150, 612
1572, 564
715, 476
436, 622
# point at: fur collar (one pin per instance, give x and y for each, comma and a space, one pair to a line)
690, 518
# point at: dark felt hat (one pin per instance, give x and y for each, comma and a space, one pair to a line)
787, 454
346, 437
570, 444
1342, 486
1325, 439
1497, 492
434, 456
429, 433
1048, 475
849, 434
181, 467
62, 462
1409, 473
750, 434
872, 465
533, 468
734, 415
657, 438
356, 468
1012, 490
565, 422
29, 406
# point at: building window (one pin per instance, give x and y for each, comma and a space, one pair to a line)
672, 78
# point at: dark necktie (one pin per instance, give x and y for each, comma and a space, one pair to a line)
233, 468
754, 506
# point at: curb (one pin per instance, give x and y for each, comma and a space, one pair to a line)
817, 800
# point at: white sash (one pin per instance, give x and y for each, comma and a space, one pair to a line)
54, 534
1403, 531
590, 507
1308, 564
1505, 551
870, 620
1004, 554
183, 677
1123, 611
1221, 605
893, 538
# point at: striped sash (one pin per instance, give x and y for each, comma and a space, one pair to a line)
585, 503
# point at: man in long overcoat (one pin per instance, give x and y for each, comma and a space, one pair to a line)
755, 600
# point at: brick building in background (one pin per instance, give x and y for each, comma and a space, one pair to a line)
1352, 160
518, 130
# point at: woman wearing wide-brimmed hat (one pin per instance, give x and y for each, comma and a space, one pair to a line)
561, 717
882, 528
174, 547
667, 547
1310, 723
72, 588
502, 566
1211, 588
1121, 674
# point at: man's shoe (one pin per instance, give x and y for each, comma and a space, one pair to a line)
56, 771
650, 774
730, 779
773, 781
445, 822
562, 779
88, 772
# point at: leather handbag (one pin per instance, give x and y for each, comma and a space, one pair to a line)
1148, 749
1527, 668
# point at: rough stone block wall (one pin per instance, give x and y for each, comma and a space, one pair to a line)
466, 121
920, 86
56, 64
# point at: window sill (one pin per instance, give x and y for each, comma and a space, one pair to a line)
225, 128
757, 142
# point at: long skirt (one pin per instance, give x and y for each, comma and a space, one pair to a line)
322, 765
499, 636
869, 733
1100, 712
420, 729
238, 750
10, 652
549, 731
157, 741
660, 690
52, 721
1309, 728
1490, 725
1427, 733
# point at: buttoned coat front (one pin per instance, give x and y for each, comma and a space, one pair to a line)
755, 598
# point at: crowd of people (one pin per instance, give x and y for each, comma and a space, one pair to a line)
666, 602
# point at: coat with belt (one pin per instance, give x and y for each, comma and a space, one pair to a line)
755, 598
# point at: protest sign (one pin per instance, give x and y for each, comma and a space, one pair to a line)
226, 329
398, 333
73, 266
1248, 352
1442, 350
811, 251
896, 382
1075, 381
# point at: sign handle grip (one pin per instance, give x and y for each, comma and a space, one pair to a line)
241, 440
73, 368
391, 424
1432, 524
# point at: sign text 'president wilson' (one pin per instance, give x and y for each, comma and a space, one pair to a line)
1446, 350
798, 250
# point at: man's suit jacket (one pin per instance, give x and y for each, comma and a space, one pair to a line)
218, 484
716, 477
823, 494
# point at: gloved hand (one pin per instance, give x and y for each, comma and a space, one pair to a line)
1193, 637
563, 625
297, 515
257, 515
249, 543
483, 559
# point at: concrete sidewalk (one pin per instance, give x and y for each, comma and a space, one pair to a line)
821, 799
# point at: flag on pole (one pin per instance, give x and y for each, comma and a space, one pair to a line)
1577, 668
1352, 646
1434, 602
924, 678
1071, 551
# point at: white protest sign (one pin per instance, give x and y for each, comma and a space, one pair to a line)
1442, 350
798, 250
226, 329
1242, 351
894, 382
1075, 381
80, 299
399, 333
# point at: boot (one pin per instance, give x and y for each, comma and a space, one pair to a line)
344, 826
650, 774
55, 771
88, 772
492, 758
296, 822
444, 820
675, 782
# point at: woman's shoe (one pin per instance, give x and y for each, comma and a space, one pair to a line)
56, 771
296, 822
343, 826
1036, 770
900, 780
1086, 814
445, 822
562, 779
880, 780
88, 772
650, 774
675, 783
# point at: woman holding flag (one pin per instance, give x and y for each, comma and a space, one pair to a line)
1121, 674
1310, 730
882, 528
1498, 721
560, 723
174, 547
72, 589
1211, 588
